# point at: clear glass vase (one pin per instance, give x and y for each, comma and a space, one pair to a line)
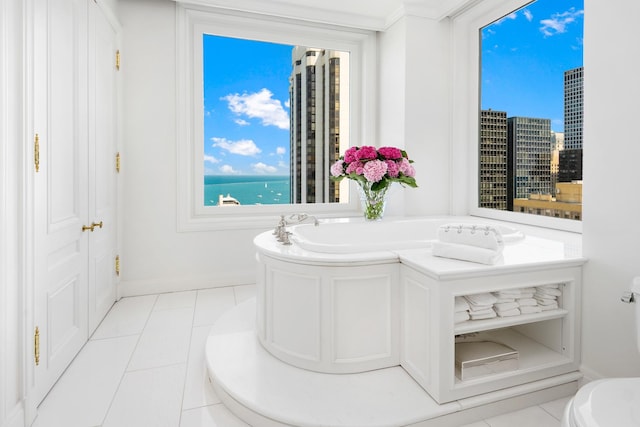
373, 201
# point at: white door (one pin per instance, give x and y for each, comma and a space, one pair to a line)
102, 164
60, 186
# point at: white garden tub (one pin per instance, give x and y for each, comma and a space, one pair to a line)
372, 236
330, 302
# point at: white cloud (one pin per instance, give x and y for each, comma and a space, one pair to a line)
263, 168
527, 14
512, 16
241, 122
228, 169
558, 22
210, 159
243, 147
260, 105
281, 150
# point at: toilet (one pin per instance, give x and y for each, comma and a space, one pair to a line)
611, 402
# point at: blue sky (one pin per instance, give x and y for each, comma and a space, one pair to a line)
246, 107
525, 55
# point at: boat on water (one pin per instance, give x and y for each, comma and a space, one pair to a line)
227, 200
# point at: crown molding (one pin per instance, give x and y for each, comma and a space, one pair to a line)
287, 10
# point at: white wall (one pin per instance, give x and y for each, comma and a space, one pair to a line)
611, 224
11, 355
414, 82
154, 255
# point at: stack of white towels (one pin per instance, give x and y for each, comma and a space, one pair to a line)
506, 303
469, 242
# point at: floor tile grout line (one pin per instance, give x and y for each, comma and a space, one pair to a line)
125, 371
186, 365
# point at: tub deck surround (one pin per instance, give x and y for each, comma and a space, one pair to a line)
368, 307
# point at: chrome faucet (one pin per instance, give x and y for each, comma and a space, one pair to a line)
281, 233
299, 218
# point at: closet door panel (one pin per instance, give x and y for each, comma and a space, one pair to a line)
60, 186
102, 148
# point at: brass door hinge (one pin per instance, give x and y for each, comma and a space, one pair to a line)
117, 265
36, 346
36, 152
118, 162
118, 59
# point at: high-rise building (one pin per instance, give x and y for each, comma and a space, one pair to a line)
493, 160
573, 108
319, 97
557, 145
529, 159
570, 165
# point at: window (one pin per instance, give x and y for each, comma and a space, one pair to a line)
254, 109
531, 73
311, 139
519, 99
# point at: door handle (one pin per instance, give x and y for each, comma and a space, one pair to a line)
92, 226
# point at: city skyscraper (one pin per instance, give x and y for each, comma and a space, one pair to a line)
529, 159
319, 97
573, 108
493, 160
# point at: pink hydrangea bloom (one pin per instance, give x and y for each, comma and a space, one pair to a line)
367, 152
406, 168
374, 170
337, 168
392, 168
355, 167
350, 155
391, 153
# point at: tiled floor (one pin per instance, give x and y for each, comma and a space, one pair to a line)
144, 367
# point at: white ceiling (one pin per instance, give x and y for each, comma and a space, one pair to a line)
366, 14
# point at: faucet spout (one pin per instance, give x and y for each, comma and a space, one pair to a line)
299, 218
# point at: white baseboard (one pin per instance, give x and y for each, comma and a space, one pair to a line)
129, 288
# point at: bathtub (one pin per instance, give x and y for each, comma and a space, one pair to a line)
373, 236
330, 301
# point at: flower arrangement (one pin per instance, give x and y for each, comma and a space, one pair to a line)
374, 170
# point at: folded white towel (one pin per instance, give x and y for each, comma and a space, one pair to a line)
530, 309
490, 314
546, 301
505, 306
545, 295
549, 291
460, 304
549, 306
481, 299
486, 310
527, 290
461, 316
476, 235
527, 302
502, 299
551, 286
507, 313
465, 253
527, 294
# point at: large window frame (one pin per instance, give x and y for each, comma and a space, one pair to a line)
466, 45
194, 21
